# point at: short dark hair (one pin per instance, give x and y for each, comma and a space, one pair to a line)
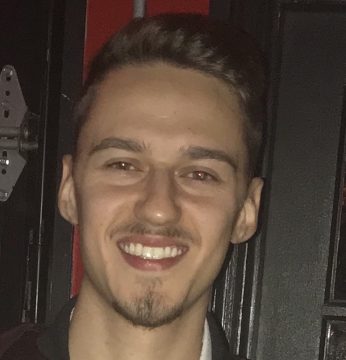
191, 41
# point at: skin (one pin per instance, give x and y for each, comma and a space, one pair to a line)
140, 162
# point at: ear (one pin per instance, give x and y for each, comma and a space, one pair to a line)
247, 220
67, 196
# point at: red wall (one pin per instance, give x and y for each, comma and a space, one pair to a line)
103, 18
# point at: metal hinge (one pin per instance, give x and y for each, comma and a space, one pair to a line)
15, 137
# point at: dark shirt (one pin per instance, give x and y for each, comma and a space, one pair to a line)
34, 342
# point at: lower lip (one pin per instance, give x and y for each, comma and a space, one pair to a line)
150, 264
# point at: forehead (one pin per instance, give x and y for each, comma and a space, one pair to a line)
160, 101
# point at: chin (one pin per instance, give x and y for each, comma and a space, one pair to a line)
148, 311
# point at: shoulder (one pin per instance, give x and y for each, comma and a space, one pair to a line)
20, 342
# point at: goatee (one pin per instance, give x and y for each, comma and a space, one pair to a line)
148, 311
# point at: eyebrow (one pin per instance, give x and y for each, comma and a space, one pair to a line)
198, 152
118, 143
193, 152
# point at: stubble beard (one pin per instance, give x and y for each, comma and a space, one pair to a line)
148, 311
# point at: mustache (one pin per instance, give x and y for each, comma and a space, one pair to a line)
138, 228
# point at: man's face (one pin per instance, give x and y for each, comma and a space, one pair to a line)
159, 189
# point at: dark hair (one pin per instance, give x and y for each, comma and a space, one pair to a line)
190, 41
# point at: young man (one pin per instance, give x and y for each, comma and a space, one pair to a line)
160, 183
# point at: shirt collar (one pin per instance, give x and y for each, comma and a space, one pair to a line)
206, 345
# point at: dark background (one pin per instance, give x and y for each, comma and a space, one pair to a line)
283, 294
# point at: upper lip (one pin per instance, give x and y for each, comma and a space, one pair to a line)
153, 240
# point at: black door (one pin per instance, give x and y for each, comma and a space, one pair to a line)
31, 38
287, 298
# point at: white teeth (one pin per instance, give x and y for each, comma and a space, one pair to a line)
147, 252
138, 250
158, 253
167, 251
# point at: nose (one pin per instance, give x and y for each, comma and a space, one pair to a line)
157, 204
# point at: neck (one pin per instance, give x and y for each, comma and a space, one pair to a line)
97, 331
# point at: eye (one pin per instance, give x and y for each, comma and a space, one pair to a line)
121, 165
201, 176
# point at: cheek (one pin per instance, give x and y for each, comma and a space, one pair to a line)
213, 216
99, 209
217, 239
213, 222
102, 203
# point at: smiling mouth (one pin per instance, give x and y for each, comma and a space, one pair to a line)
150, 252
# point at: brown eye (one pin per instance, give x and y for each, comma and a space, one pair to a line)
121, 165
202, 176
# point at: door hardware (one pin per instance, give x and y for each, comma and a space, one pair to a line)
16, 139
